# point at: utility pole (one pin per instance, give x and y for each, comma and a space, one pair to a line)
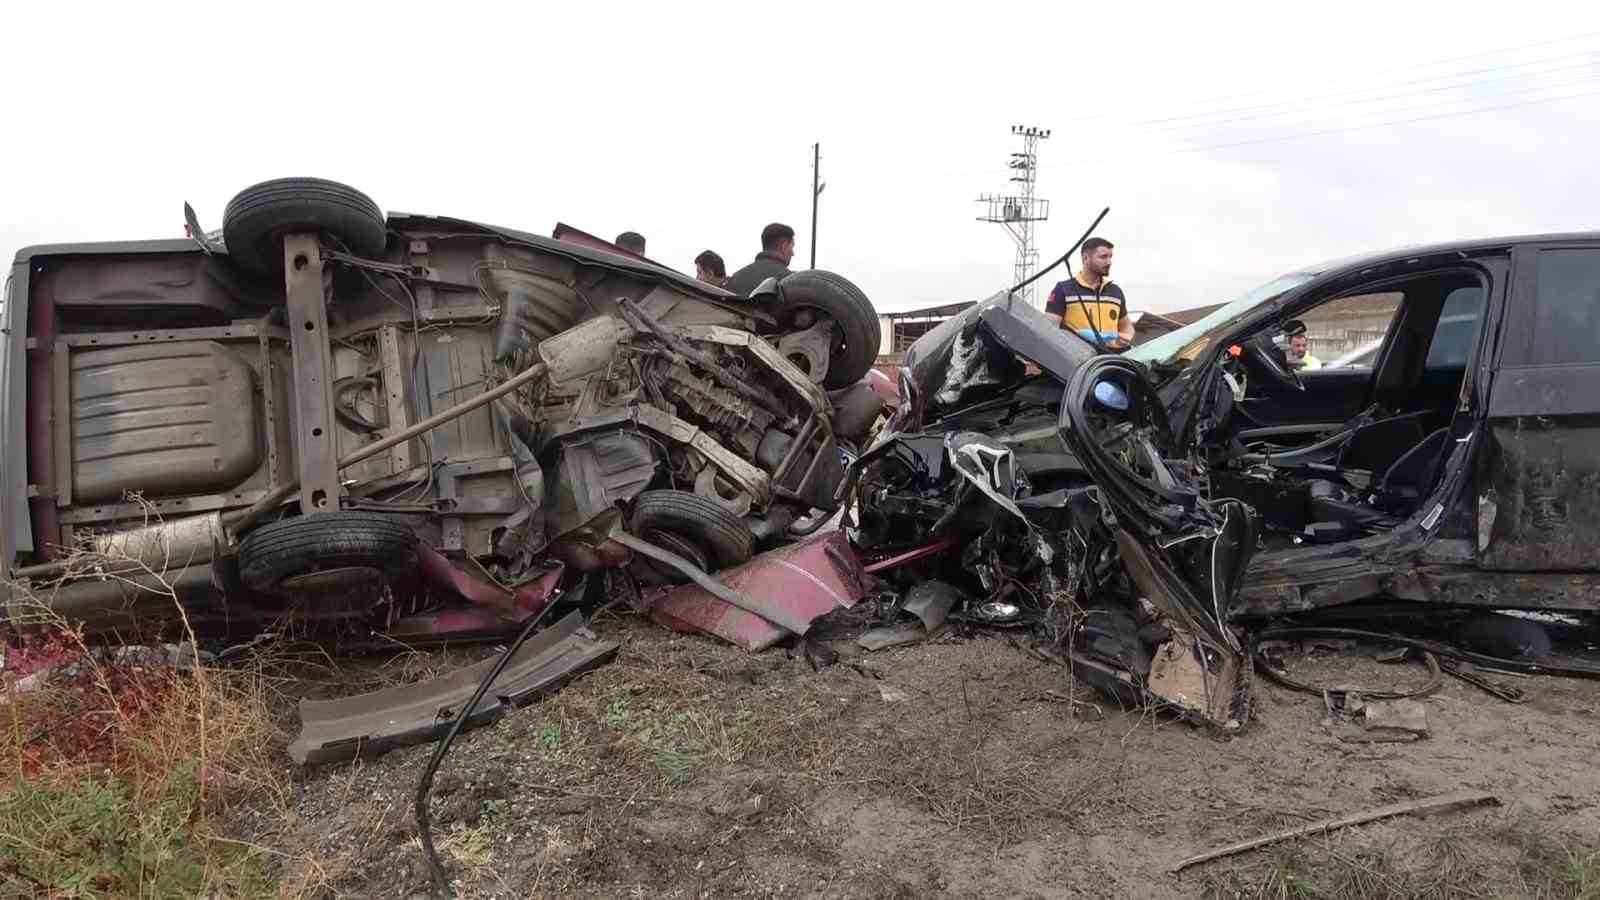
1018, 211
816, 191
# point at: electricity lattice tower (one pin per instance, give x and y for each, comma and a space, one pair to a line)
1018, 211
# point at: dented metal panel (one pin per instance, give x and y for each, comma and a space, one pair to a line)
1541, 506
161, 418
804, 580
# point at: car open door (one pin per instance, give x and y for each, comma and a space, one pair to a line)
1539, 483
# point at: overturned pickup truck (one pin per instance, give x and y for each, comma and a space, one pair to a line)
1149, 510
403, 427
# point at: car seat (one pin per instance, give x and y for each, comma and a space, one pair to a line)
1411, 478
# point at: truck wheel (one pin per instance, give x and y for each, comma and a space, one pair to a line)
671, 519
348, 539
813, 294
259, 216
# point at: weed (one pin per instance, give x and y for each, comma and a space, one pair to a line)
1283, 880
1550, 866
1473, 860
122, 767
1580, 874
616, 714
547, 739
88, 838
108, 794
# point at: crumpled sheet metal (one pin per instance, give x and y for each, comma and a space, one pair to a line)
375, 722
528, 598
931, 601
1216, 694
991, 467
805, 580
968, 370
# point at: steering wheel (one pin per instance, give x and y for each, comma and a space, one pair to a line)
1271, 359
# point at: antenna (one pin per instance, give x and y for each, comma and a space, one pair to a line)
1018, 211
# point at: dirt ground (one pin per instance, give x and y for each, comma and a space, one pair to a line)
963, 767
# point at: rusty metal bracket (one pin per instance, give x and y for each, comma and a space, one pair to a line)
394, 392
452, 506
238, 332
313, 374
61, 420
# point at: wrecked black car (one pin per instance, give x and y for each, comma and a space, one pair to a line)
1148, 509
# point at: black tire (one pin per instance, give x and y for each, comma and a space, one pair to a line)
722, 536
344, 539
259, 216
856, 339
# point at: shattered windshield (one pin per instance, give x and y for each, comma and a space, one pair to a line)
1185, 345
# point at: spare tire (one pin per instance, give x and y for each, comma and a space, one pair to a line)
710, 527
856, 334
336, 540
259, 216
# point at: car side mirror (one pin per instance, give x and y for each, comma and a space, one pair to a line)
768, 288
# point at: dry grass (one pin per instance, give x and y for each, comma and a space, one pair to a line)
121, 770
953, 772
650, 723
121, 775
1488, 860
649, 727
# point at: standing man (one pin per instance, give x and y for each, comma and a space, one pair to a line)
708, 267
777, 248
1300, 349
631, 241
1089, 304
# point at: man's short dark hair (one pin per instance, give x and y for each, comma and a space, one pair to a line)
712, 263
775, 233
630, 240
1095, 243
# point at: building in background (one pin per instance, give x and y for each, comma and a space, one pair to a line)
1333, 329
899, 330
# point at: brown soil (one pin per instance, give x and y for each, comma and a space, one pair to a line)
964, 767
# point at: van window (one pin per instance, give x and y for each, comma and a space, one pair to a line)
1567, 309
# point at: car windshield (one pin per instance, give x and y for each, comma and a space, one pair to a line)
1185, 345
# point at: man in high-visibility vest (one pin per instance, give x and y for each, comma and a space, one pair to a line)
1089, 304
1300, 351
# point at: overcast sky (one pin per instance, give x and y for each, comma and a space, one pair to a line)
693, 124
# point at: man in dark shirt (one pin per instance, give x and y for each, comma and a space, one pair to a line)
1089, 304
708, 267
631, 241
777, 248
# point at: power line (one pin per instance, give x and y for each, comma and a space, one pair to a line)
1321, 117
1395, 96
1215, 112
1464, 112
1411, 68
1399, 95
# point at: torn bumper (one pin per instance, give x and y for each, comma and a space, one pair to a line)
372, 723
